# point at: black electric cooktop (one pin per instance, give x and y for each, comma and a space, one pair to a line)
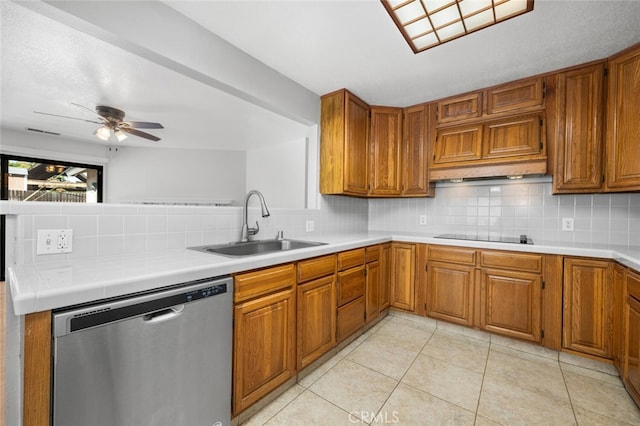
523, 239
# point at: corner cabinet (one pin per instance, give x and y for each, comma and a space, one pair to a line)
403, 260
385, 166
344, 128
631, 373
623, 125
264, 333
415, 153
577, 115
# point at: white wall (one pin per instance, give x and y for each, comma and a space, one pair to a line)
279, 172
161, 175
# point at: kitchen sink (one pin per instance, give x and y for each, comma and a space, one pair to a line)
253, 248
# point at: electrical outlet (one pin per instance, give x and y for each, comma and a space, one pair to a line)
567, 224
53, 241
311, 226
423, 219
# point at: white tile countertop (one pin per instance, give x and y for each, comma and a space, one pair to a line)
51, 285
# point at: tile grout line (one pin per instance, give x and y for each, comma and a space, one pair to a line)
564, 380
484, 374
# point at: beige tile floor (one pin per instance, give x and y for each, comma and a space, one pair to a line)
409, 370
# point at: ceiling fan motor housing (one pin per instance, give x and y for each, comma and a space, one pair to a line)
111, 114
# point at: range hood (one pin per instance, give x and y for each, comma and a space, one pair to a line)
490, 171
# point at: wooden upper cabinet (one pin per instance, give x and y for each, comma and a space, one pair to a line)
386, 151
459, 108
456, 144
578, 131
344, 127
519, 95
415, 176
623, 123
514, 137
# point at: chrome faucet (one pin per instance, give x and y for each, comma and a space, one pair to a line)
247, 232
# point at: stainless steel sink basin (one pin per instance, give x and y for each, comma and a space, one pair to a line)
253, 248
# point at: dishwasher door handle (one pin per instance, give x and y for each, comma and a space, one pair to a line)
164, 315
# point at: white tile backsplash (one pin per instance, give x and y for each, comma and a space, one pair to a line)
511, 209
109, 229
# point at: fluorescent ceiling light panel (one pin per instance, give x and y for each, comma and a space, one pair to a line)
428, 23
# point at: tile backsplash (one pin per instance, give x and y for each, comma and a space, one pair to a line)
107, 229
510, 209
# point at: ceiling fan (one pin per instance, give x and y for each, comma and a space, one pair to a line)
111, 121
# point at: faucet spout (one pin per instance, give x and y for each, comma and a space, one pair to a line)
248, 232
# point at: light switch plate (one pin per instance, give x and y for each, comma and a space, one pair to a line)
54, 241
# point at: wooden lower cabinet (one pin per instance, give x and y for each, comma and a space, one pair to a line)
631, 332
450, 292
588, 306
372, 286
511, 304
316, 319
264, 334
350, 294
403, 260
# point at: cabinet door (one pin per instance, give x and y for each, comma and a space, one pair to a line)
511, 304
356, 143
623, 125
619, 302
516, 96
455, 144
264, 346
514, 137
450, 292
415, 180
344, 127
578, 134
372, 290
403, 275
632, 345
459, 108
385, 277
316, 319
588, 306
385, 169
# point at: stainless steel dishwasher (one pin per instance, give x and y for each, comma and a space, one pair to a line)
161, 358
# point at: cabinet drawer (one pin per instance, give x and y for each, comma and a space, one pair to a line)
350, 285
351, 258
633, 284
373, 253
511, 260
350, 318
316, 268
453, 255
263, 281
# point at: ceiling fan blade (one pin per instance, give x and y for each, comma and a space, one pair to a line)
141, 125
140, 134
87, 108
73, 118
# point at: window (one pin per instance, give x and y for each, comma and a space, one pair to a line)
36, 179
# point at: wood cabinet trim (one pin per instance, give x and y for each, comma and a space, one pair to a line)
36, 407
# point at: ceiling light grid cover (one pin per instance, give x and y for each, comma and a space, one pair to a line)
428, 23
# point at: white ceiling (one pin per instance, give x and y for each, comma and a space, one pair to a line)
322, 45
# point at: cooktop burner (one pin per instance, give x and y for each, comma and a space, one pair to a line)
513, 240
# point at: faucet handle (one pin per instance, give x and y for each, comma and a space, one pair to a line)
253, 231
